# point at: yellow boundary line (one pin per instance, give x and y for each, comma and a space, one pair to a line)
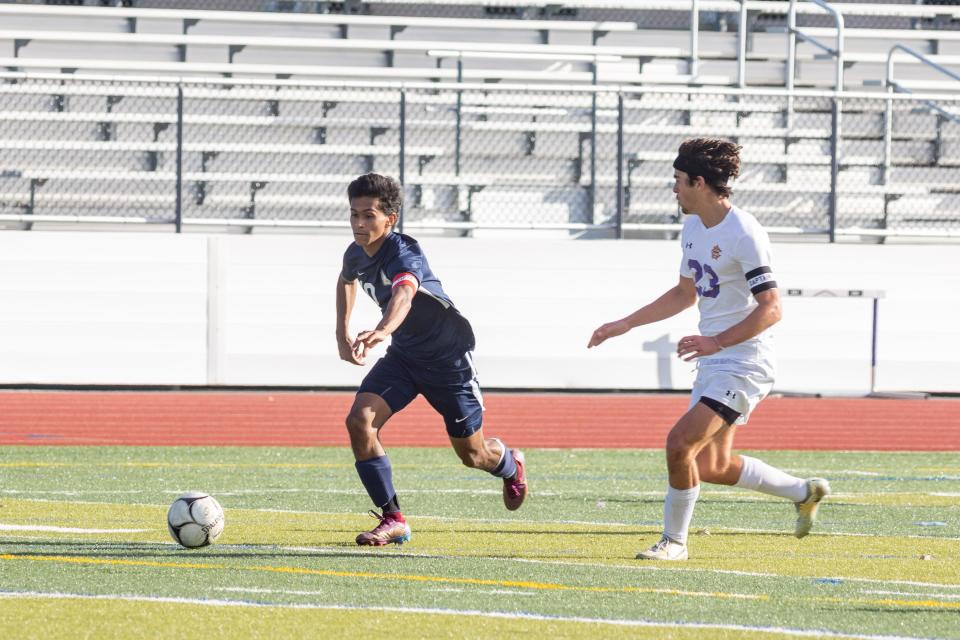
892, 602
385, 576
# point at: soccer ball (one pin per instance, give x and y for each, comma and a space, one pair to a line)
195, 519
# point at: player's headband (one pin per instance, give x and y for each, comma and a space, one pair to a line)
693, 168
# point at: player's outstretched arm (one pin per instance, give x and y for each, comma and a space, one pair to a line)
608, 330
766, 314
671, 303
393, 316
346, 296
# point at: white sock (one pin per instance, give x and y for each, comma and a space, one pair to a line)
678, 511
760, 476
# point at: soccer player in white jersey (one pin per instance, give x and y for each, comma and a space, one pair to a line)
726, 270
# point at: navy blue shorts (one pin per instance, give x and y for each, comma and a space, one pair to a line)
451, 389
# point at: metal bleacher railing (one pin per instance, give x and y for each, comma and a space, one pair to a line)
404, 47
251, 154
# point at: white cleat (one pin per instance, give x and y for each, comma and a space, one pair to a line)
817, 490
665, 549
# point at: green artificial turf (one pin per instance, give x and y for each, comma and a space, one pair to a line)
84, 549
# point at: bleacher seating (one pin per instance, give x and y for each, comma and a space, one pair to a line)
270, 138
412, 47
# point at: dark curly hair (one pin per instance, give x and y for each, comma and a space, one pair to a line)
716, 161
374, 185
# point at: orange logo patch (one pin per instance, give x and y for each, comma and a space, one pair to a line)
715, 252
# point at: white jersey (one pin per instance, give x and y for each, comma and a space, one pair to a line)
729, 263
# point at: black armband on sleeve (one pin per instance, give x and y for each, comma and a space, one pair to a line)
760, 279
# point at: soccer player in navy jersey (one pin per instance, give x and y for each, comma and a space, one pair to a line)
725, 270
429, 354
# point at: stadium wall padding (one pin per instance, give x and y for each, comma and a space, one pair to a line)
92, 308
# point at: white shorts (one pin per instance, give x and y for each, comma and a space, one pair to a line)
737, 384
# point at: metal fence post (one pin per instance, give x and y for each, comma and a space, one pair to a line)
888, 134
834, 167
694, 65
403, 152
593, 150
456, 155
178, 208
742, 46
620, 212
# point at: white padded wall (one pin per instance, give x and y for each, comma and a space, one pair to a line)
129, 308
97, 308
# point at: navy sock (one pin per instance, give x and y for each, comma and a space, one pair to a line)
392, 506
376, 474
508, 466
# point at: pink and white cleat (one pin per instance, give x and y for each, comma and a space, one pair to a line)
515, 488
392, 529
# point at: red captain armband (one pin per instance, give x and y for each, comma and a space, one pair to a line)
407, 279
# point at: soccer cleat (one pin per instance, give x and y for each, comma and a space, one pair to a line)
665, 549
817, 490
388, 531
515, 488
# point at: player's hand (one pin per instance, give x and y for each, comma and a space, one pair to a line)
608, 330
696, 347
347, 351
367, 340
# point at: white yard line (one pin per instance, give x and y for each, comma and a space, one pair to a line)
26, 494
38, 527
501, 592
943, 596
290, 592
734, 572
617, 622
836, 472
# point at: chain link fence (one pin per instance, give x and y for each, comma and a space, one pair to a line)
87, 150
471, 157
513, 157
282, 153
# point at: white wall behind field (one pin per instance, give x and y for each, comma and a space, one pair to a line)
128, 308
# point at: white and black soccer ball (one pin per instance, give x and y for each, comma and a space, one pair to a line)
195, 519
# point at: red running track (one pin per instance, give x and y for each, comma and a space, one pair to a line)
560, 420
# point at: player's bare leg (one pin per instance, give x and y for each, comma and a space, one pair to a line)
492, 456
686, 440
718, 465
692, 433
716, 462
367, 415
477, 452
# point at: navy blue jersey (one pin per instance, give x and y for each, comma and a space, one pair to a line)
433, 332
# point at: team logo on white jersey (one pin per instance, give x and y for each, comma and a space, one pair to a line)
715, 252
